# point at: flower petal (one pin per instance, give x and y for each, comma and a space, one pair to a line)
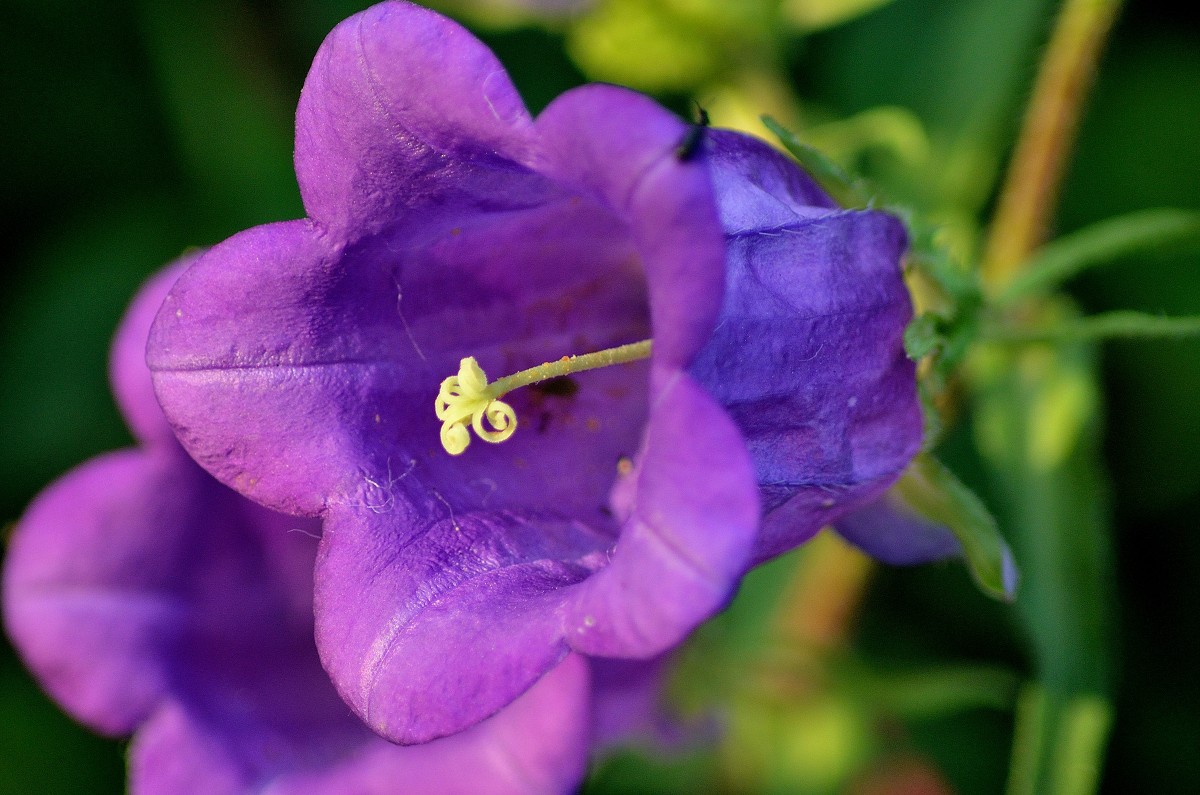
758, 188
537, 745
92, 596
807, 357
888, 530
429, 620
271, 362
621, 148
404, 109
690, 521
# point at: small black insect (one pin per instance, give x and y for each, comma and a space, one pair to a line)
689, 145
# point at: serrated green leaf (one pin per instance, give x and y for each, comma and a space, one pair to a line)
936, 494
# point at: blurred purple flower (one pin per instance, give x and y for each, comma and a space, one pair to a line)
298, 363
149, 599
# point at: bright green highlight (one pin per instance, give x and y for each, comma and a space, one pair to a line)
468, 399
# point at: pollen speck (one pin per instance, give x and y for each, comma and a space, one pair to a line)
624, 465
592, 424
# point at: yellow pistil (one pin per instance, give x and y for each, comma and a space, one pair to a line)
468, 398
465, 398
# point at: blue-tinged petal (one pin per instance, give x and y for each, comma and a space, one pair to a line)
890, 531
807, 353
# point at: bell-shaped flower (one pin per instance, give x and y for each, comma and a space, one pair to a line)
330, 367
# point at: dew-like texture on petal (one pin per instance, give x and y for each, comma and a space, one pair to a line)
128, 373
404, 110
807, 355
888, 530
91, 596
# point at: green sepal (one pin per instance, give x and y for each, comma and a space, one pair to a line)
936, 494
844, 188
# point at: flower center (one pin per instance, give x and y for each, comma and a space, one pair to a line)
468, 399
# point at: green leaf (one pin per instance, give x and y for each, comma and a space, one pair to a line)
936, 494
1100, 244
848, 191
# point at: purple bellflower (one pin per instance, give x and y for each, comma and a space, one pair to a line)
298, 362
149, 599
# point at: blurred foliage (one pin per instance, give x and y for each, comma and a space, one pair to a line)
136, 129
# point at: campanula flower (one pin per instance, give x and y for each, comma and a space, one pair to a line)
150, 600
355, 365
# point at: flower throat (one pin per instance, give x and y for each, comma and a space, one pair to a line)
468, 399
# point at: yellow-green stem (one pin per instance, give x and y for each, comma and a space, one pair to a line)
567, 365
